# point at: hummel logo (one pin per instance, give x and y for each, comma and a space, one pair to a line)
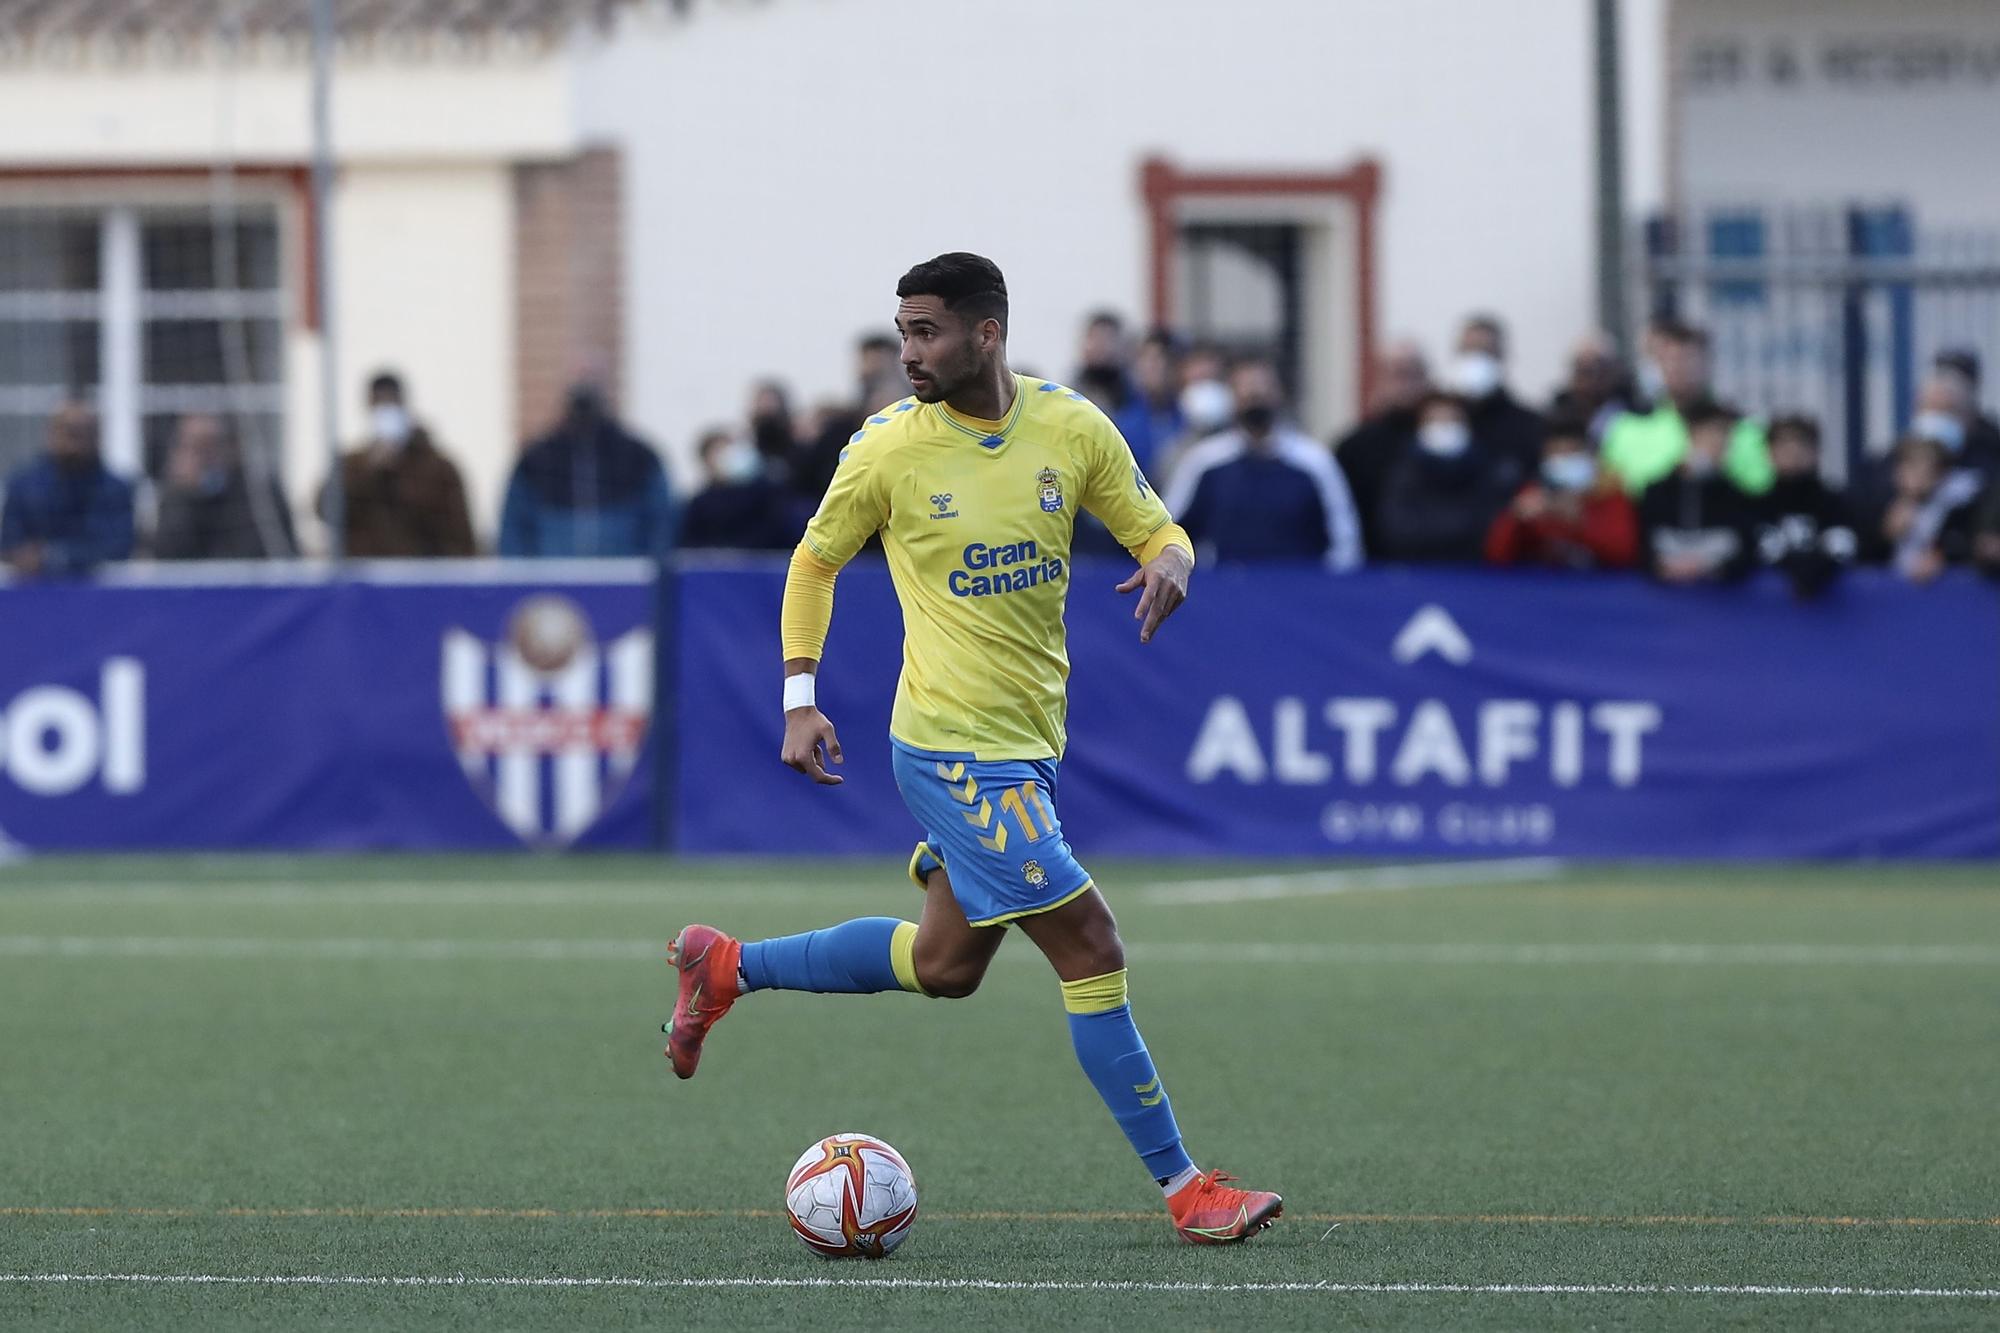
943, 502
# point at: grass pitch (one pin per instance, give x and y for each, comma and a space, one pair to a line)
429, 1092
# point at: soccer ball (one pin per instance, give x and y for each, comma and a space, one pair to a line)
851, 1196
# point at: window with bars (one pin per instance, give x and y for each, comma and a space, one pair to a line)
148, 313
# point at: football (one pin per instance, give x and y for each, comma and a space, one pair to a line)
851, 1196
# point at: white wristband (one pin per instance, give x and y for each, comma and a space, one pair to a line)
799, 691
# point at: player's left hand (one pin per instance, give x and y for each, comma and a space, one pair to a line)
1165, 583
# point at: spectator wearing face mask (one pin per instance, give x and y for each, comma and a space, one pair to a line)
1478, 375
1207, 408
1982, 431
1103, 372
401, 495
772, 428
587, 488
1805, 530
1265, 490
1930, 522
1598, 391
1643, 448
65, 512
210, 507
1151, 417
878, 381
1367, 452
1948, 412
1572, 515
1442, 495
740, 507
1696, 524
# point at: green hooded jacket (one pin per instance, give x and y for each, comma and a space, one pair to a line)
1641, 449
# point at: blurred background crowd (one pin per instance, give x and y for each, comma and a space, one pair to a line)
1619, 466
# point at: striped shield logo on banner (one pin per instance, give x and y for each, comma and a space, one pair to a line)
548, 723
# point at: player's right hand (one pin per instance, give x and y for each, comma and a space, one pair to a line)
807, 731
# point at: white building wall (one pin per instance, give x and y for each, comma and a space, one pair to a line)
424, 277
422, 225
1841, 101
124, 112
787, 161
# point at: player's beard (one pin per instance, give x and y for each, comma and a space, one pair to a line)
942, 381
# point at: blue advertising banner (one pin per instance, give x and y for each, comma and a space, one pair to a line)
1405, 713
378, 713
1283, 712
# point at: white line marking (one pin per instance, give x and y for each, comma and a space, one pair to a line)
1373, 879
1233, 952
427, 893
359, 950
1570, 955
995, 1284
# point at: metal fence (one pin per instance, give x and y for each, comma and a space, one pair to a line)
1835, 311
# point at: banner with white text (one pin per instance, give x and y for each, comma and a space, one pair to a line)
1284, 712
508, 711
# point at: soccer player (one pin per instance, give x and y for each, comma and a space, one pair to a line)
974, 483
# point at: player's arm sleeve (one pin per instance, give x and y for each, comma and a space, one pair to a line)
1116, 490
853, 511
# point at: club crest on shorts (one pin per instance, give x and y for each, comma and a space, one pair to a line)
1037, 877
1048, 485
548, 723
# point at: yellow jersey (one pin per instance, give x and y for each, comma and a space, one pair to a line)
977, 519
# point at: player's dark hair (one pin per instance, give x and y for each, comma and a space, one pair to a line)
970, 286
1798, 424
386, 381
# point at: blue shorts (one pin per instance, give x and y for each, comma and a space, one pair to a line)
992, 825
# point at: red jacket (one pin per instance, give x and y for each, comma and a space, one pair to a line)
1604, 534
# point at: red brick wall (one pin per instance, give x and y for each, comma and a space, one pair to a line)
569, 269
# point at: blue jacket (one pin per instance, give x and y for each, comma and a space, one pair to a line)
1284, 502
588, 489
80, 519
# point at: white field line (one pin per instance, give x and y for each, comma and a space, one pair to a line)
996, 1284
424, 893
1372, 879
1238, 952
1570, 955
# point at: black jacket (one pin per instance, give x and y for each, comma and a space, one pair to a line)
1440, 510
196, 525
1806, 531
1679, 514
755, 515
1509, 428
1366, 454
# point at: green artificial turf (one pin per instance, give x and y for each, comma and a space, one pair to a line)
441, 1068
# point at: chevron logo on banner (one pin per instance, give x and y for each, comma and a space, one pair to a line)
548, 724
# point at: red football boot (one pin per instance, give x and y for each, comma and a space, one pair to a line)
1208, 1212
706, 959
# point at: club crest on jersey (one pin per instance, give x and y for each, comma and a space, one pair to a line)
1048, 485
547, 723
1037, 877
943, 502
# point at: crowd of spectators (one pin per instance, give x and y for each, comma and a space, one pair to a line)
1620, 467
